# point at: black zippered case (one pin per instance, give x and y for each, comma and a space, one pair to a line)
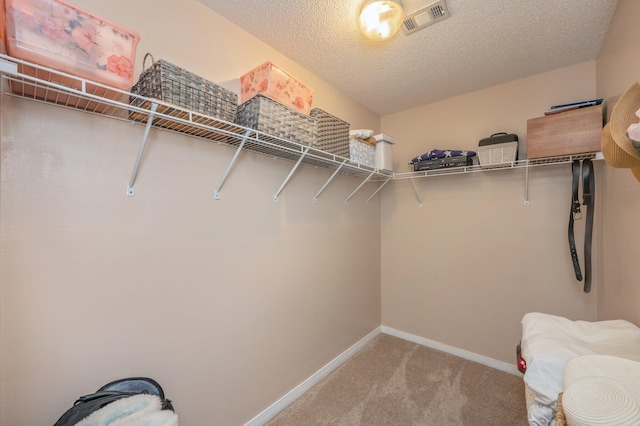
441, 163
498, 138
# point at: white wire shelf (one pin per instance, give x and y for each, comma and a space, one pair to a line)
521, 164
42, 84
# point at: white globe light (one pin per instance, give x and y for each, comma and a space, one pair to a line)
381, 19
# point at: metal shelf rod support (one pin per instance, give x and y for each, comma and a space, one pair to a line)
360, 186
526, 186
230, 166
134, 174
315, 199
378, 190
295, 167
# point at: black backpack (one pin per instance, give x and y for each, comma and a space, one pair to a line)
118, 389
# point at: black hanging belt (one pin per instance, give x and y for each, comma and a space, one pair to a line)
588, 195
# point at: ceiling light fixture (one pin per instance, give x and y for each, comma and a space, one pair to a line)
380, 19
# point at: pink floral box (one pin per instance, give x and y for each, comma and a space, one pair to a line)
278, 85
60, 36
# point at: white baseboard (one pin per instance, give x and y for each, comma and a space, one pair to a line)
296, 392
471, 356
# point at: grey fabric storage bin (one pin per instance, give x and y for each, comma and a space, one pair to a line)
333, 133
177, 86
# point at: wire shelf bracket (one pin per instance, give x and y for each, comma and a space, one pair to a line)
360, 186
230, 166
293, 170
315, 199
134, 173
379, 189
415, 190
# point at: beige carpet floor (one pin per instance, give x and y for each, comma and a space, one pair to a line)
395, 382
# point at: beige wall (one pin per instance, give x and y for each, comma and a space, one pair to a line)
465, 268
618, 66
232, 303
229, 304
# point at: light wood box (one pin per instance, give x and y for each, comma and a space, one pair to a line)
565, 133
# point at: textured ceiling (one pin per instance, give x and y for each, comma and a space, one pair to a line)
482, 43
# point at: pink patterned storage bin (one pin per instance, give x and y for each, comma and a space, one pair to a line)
278, 85
60, 36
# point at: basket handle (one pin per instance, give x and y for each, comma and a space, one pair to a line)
144, 61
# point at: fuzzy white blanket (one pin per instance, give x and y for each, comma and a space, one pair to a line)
136, 410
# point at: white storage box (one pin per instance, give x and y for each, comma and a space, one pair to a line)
361, 152
498, 154
499, 149
384, 152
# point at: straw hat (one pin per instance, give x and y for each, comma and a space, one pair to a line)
617, 148
601, 390
600, 401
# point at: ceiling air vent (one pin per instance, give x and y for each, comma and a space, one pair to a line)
431, 14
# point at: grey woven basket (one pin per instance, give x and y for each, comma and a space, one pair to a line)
266, 115
333, 133
177, 86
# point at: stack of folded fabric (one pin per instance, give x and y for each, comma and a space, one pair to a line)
441, 158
